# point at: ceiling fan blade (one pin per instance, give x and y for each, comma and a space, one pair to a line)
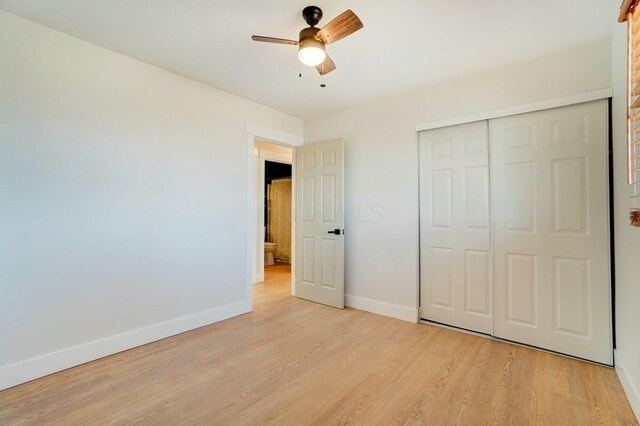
343, 25
326, 66
274, 40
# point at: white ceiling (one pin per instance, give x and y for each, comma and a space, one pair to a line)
403, 45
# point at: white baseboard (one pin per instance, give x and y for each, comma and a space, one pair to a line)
630, 388
24, 371
382, 308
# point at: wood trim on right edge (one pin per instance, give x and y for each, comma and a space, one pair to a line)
624, 9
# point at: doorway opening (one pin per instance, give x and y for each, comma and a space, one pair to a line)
277, 218
274, 193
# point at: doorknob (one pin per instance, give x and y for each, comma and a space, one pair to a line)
335, 231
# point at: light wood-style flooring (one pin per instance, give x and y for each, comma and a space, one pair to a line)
295, 362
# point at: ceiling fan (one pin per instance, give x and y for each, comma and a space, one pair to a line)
312, 40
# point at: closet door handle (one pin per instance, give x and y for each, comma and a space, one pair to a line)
335, 231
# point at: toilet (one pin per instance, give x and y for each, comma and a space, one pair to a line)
269, 248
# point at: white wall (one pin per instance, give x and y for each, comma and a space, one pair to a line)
381, 175
123, 192
627, 238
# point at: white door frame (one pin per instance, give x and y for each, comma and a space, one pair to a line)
520, 109
260, 132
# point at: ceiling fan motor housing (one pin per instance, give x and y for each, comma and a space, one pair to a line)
311, 47
309, 33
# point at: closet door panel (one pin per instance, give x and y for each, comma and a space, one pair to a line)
550, 222
455, 241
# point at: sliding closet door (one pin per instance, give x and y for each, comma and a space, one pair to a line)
550, 221
455, 241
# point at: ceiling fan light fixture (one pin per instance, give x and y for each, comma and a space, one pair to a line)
311, 40
311, 52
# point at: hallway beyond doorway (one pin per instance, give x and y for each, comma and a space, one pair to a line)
277, 279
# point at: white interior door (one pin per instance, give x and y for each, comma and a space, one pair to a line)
455, 234
550, 220
319, 260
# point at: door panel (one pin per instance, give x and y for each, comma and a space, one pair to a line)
478, 282
455, 241
550, 221
522, 288
319, 198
